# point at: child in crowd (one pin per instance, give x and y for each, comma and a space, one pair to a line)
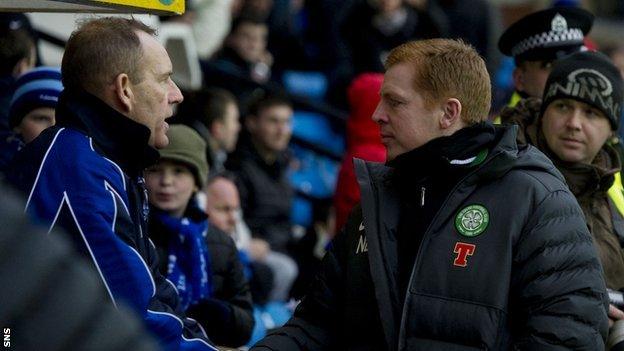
31, 111
198, 258
34, 100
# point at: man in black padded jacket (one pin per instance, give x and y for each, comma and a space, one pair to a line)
462, 241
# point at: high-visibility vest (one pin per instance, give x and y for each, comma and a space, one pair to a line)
513, 101
616, 193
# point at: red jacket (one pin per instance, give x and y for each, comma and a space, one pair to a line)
363, 141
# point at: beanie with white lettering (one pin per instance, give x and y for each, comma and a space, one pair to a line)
36, 88
588, 77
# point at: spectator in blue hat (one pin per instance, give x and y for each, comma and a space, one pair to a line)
31, 110
34, 100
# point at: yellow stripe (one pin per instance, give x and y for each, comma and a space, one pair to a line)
515, 98
176, 6
616, 193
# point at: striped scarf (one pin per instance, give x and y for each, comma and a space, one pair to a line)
189, 266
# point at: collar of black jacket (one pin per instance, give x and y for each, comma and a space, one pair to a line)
596, 178
586, 179
246, 150
448, 151
114, 135
230, 55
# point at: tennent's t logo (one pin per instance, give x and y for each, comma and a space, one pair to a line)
463, 250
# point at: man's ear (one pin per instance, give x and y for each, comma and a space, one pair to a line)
124, 95
452, 110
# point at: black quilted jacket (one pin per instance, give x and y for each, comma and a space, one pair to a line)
531, 281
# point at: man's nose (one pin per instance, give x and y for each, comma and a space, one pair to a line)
379, 116
175, 95
166, 178
285, 127
574, 119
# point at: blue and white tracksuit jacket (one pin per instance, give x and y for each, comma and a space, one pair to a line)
85, 175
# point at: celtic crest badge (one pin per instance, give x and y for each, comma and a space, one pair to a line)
472, 220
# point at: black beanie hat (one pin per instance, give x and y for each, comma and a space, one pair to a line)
588, 77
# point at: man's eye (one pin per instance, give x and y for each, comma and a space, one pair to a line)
41, 119
394, 102
591, 113
562, 106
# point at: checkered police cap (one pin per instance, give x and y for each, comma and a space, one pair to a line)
547, 35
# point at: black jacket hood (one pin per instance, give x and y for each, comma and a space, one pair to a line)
504, 154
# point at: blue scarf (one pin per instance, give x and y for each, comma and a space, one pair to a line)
189, 266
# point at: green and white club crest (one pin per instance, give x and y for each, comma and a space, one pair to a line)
472, 220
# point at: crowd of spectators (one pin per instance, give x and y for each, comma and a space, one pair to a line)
220, 214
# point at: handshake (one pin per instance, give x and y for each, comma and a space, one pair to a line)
615, 342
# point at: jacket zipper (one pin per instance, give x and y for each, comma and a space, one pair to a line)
140, 181
426, 239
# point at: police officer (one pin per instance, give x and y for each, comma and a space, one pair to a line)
536, 40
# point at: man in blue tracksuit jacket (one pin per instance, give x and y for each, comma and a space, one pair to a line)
85, 173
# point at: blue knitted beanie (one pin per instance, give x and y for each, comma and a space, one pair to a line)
36, 88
